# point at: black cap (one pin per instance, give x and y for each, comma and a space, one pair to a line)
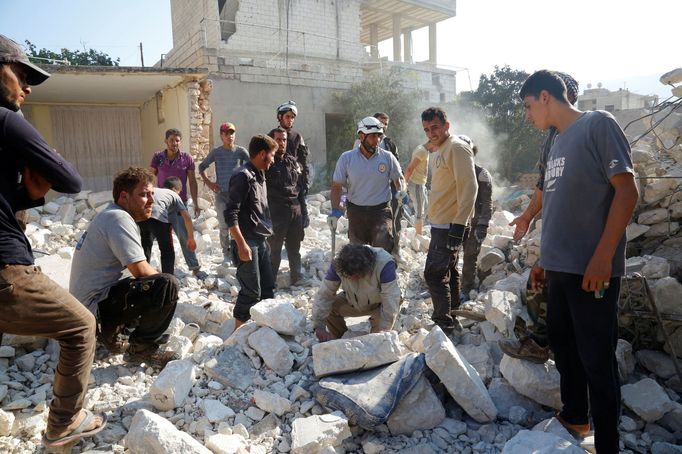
11, 52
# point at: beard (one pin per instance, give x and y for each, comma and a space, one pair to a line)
5, 100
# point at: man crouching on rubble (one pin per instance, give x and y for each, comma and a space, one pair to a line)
112, 278
588, 198
368, 278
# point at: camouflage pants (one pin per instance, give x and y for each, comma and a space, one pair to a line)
536, 304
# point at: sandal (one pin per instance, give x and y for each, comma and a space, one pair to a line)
78, 432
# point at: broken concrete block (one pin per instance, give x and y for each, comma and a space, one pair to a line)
625, 359
654, 216
459, 377
647, 398
172, 386
552, 425
501, 309
96, 199
226, 444
538, 442
271, 403
655, 267
279, 315
231, 368
634, 230
150, 433
667, 293
362, 352
25, 362
663, 229
539, 382
420, 409
6, 423
505, 397
490, 259
479, 357
313, 434
273, 349
657, 362
215, 410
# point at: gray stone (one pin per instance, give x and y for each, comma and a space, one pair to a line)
231, 368
459, 377
172, 386
7, 352
150, 433
537, 442
505, 397
360, 353
667, 293
271, 403
655, 267
313, 434
634, 230
490, 259
279, 315
215, 410
647, 399
479, 357
501, 309
660, 447
273, 349
454, 427
420, 409
657, 362
673, 419
25, 362
625, 359
539, 382
552, 425
654, 216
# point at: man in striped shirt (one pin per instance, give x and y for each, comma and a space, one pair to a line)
227, 158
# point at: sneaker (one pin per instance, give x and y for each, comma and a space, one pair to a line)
201, 275
525, 348
577, 430
150, 354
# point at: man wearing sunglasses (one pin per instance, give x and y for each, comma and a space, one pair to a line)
367, 172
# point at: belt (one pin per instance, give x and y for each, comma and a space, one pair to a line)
370, 207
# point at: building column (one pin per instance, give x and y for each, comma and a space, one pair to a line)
433, 44
396, 37
374, 40
407, 46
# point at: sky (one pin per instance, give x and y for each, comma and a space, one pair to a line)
619, 43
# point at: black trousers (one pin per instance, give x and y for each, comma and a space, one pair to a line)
371, 225
471, 248
442, 278
163, 233
145, 305
255, 278
287, 224
583, 332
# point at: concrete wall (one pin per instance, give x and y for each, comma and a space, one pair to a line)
176, 111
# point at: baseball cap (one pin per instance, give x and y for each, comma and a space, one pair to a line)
11, 52
227, 126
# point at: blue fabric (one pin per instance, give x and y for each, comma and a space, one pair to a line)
389, 384
332, 275
388, 273
182, 234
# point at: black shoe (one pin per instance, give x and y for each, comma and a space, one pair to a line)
149, 354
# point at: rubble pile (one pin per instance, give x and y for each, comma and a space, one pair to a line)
270, 386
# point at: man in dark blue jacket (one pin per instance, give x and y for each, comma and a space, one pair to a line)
30, 303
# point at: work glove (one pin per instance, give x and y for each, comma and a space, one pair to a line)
455, 236
306, 220
480, 231
333, 218
402, 197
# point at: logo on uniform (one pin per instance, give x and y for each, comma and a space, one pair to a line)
382, 168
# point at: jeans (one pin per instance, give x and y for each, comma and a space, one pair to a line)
221, 200
33, 305
442, 278
287, 224
255, 277
145, 305
583, 332
161, 231
179, 227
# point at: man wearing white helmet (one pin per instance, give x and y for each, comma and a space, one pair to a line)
367, 172
296, 147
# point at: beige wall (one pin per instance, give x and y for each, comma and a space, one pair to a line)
41, 119
176, 112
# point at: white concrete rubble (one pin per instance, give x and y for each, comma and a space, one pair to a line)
315, 434
363, 352
150, 433
172, 385
279, 315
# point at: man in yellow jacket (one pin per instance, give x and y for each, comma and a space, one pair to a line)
451, 205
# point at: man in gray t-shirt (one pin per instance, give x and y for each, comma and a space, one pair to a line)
112, 278
588, 197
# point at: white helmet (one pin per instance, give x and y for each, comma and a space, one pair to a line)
286, 107
370, 125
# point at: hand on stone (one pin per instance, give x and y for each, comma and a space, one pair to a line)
522, 223
323, 335
191, 244
537, 277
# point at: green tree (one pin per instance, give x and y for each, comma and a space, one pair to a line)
497, 96
378, 93
90, 57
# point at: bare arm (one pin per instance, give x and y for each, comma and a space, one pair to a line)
411, 167
243, 247
215, 187
623, 204
523, 221
335, 196
193, 190
191, 244
141, 269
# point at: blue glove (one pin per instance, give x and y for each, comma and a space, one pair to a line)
333, 218
402, 197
